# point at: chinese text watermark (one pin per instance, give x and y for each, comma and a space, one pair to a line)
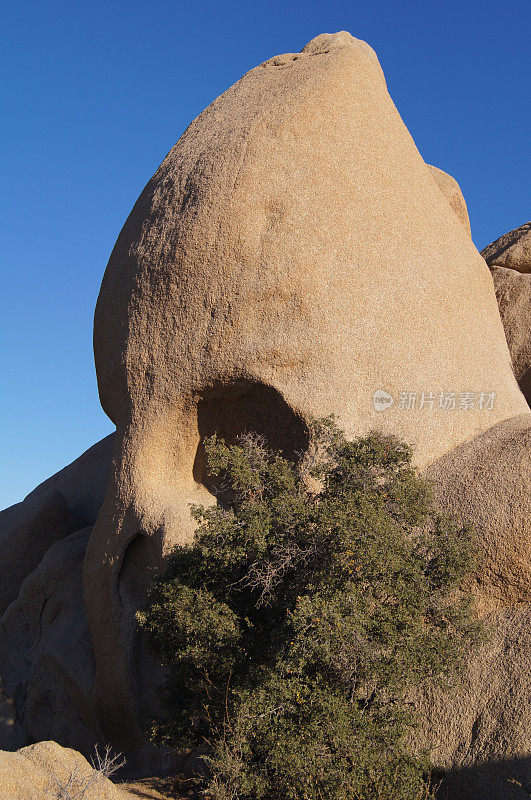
434, 401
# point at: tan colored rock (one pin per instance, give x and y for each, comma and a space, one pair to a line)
513, 293
39, 771
452, 191
46, 658
509, 258
512, 250
291, 256
480, 733
487, 482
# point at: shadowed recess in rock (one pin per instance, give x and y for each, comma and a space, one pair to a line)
242, 407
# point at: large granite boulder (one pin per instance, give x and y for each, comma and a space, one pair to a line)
487, 482
479, 733
27, 531
83, 483
291, 256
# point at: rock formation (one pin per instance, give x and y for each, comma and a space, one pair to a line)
479, 732
46, 659
66, 502
292, 255
512, 250
62, 504
487, 481
509, 259
513, 292
27, 531
273, 269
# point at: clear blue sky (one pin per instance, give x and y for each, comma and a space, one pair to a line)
94, 94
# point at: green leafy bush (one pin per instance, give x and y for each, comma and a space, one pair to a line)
314, 599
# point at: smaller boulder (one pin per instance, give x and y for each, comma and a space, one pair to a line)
486, 481
512, 250
479, 732
47, 770
27, 531
513, 293
64, 503
83, 483
46, 660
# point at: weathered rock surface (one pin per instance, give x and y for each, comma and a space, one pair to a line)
83, 483
480, 733
487, 481
27, 531
513, 293
452, 191
39, 771
512, 250
62, 504
274, 269
46, 659
509, 258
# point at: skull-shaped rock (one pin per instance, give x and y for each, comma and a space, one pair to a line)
291, 257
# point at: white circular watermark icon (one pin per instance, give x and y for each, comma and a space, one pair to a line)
381, 400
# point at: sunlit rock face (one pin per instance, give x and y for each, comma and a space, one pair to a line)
291, 256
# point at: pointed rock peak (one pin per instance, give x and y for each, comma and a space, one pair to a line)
326, 43
329, 41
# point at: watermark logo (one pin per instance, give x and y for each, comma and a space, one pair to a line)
382, 400
434, 401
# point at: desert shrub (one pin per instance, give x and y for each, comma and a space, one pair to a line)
315, 598
82, 783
